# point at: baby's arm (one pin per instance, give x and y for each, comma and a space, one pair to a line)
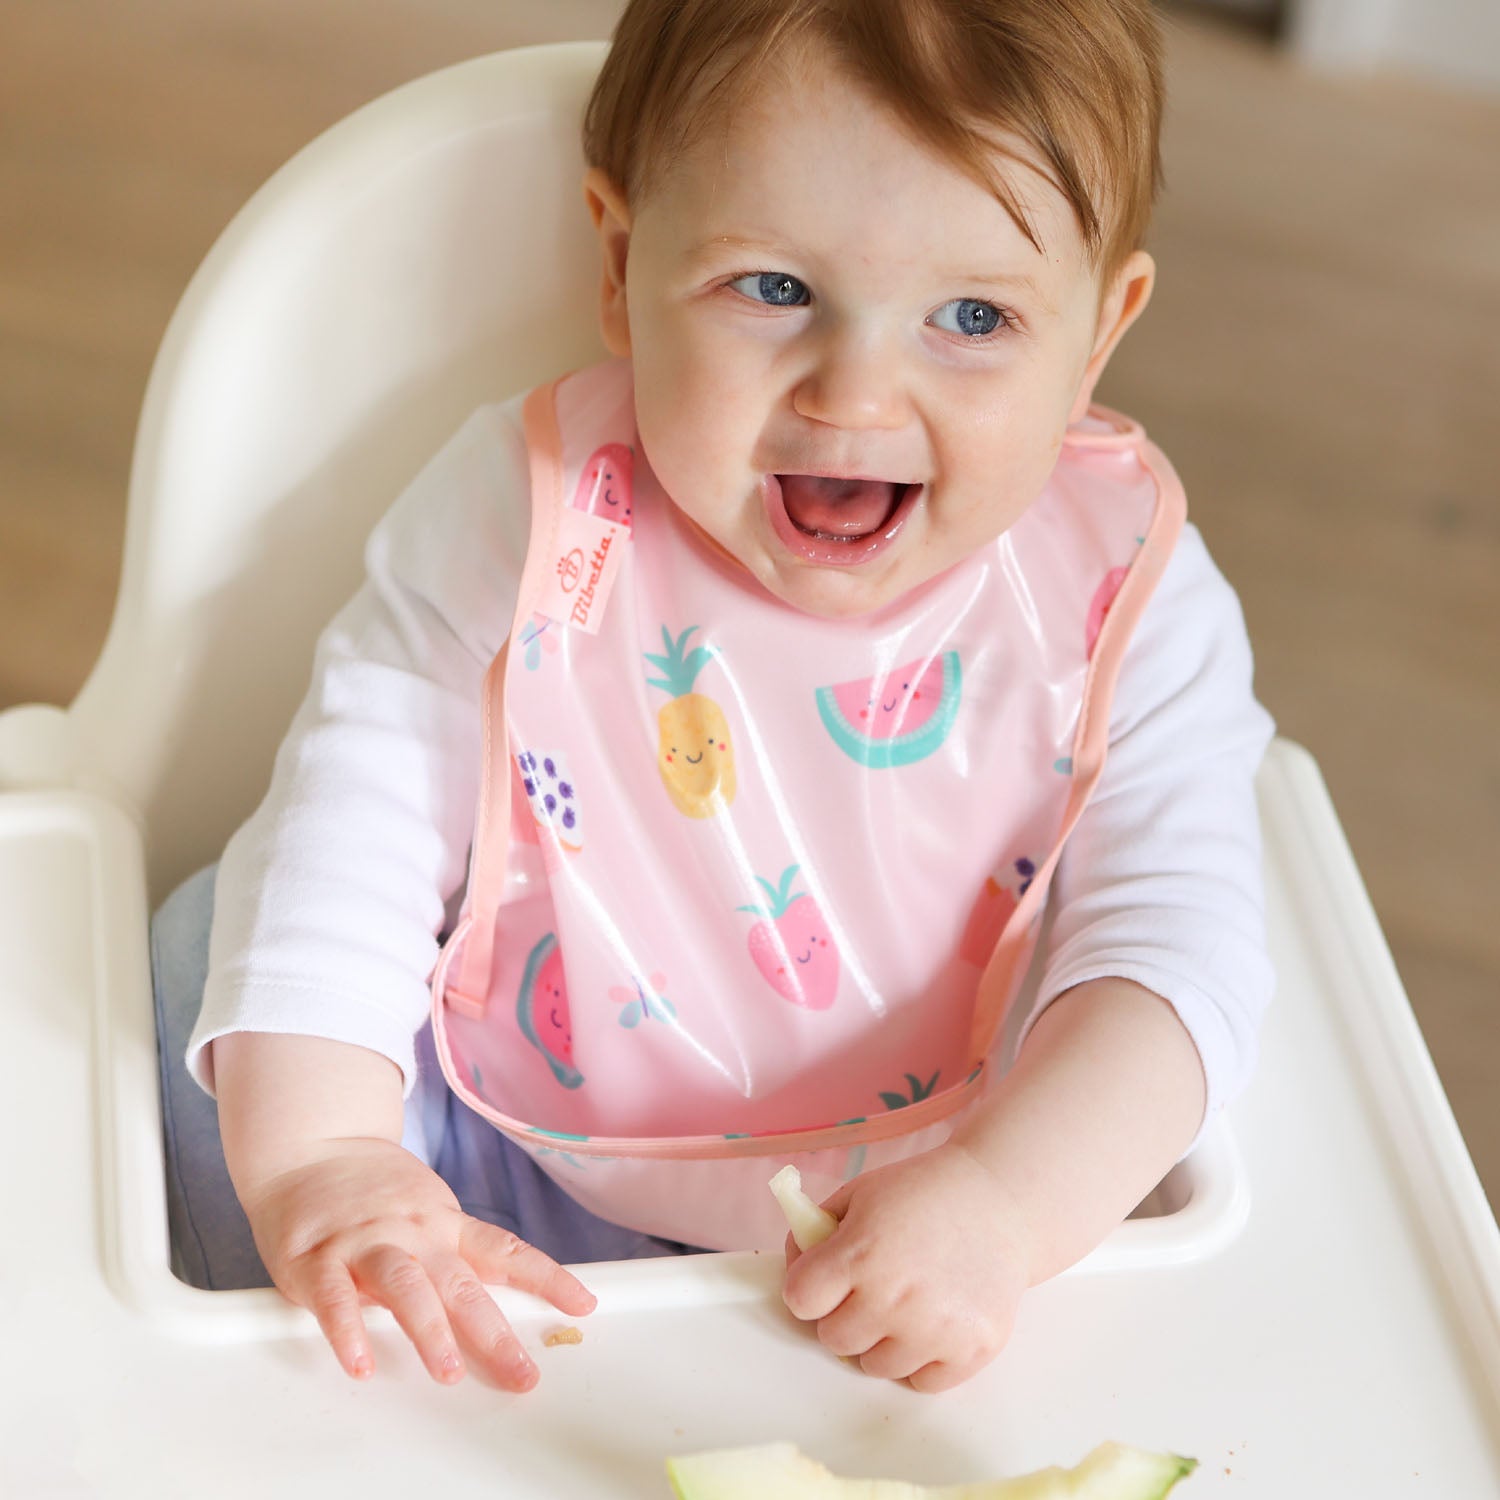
1157, 963
341, 1211
925, 1273
328, 906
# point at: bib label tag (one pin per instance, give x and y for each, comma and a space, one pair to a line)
586, 559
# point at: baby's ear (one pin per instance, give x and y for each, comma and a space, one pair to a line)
611, 215
1124, 301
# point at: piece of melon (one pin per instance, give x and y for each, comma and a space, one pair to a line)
810, 1224
1110, 1472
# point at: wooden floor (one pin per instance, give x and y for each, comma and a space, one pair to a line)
1322, 362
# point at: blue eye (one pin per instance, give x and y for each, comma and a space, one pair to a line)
975, 320
774, 288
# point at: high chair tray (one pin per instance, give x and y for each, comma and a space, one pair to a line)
1308, 1305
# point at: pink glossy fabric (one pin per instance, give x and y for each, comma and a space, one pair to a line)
750, 886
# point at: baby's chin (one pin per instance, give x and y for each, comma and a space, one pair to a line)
835, 593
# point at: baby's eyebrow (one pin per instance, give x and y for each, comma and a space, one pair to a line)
718, 243
1008, 282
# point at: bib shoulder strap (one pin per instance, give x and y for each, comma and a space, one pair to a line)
1108, 431
468, 978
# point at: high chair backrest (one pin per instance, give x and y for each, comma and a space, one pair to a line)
428, 254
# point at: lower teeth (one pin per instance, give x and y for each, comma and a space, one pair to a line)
836, 536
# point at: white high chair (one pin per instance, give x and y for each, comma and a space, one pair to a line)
1329, 1263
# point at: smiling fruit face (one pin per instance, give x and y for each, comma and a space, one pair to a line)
897, 718
605, 485
792, 945
797, 956
543, 1014
695, 756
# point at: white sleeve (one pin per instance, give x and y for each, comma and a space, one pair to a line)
1160, 882
329, 900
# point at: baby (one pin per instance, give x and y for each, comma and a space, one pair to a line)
731, 711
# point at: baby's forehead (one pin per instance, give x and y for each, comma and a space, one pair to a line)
808, 156
751, 125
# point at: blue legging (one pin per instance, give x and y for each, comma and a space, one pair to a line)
493, 1179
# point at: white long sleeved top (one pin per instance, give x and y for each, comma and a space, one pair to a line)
330, 899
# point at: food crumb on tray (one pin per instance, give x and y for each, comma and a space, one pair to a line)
556, 1336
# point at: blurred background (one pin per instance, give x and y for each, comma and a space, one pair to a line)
1322, 362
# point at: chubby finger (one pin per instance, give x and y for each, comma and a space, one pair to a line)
852, 1327
893, 1359
399, 1281
817, 1281
481, 1328
329, 1293
939, 1375
502, 1258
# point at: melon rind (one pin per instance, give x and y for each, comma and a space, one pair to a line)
1111, 1472
881, 754
809, 1222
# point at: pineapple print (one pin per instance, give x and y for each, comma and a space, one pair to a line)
695, 758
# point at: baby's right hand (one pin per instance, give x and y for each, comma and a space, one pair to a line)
367, 1221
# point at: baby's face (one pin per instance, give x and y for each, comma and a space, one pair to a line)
852, 368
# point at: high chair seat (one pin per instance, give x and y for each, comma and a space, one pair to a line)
426, 255
1324, 1262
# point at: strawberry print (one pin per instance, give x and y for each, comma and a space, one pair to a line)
792, 946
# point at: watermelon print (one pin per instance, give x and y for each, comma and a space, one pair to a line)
540, 1151
542, 1011
897, 719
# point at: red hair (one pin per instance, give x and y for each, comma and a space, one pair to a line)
1078, 83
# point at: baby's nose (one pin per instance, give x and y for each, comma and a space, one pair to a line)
853, 382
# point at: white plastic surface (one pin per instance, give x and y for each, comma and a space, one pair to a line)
1344, 1342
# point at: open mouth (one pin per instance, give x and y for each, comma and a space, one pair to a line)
837, 521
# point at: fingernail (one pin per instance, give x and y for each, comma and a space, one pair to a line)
452, 1366
363, 1367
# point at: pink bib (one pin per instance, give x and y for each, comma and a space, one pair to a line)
749, 886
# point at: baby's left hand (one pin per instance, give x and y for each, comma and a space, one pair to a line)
922, 1278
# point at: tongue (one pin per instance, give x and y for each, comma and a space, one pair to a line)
837, 507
